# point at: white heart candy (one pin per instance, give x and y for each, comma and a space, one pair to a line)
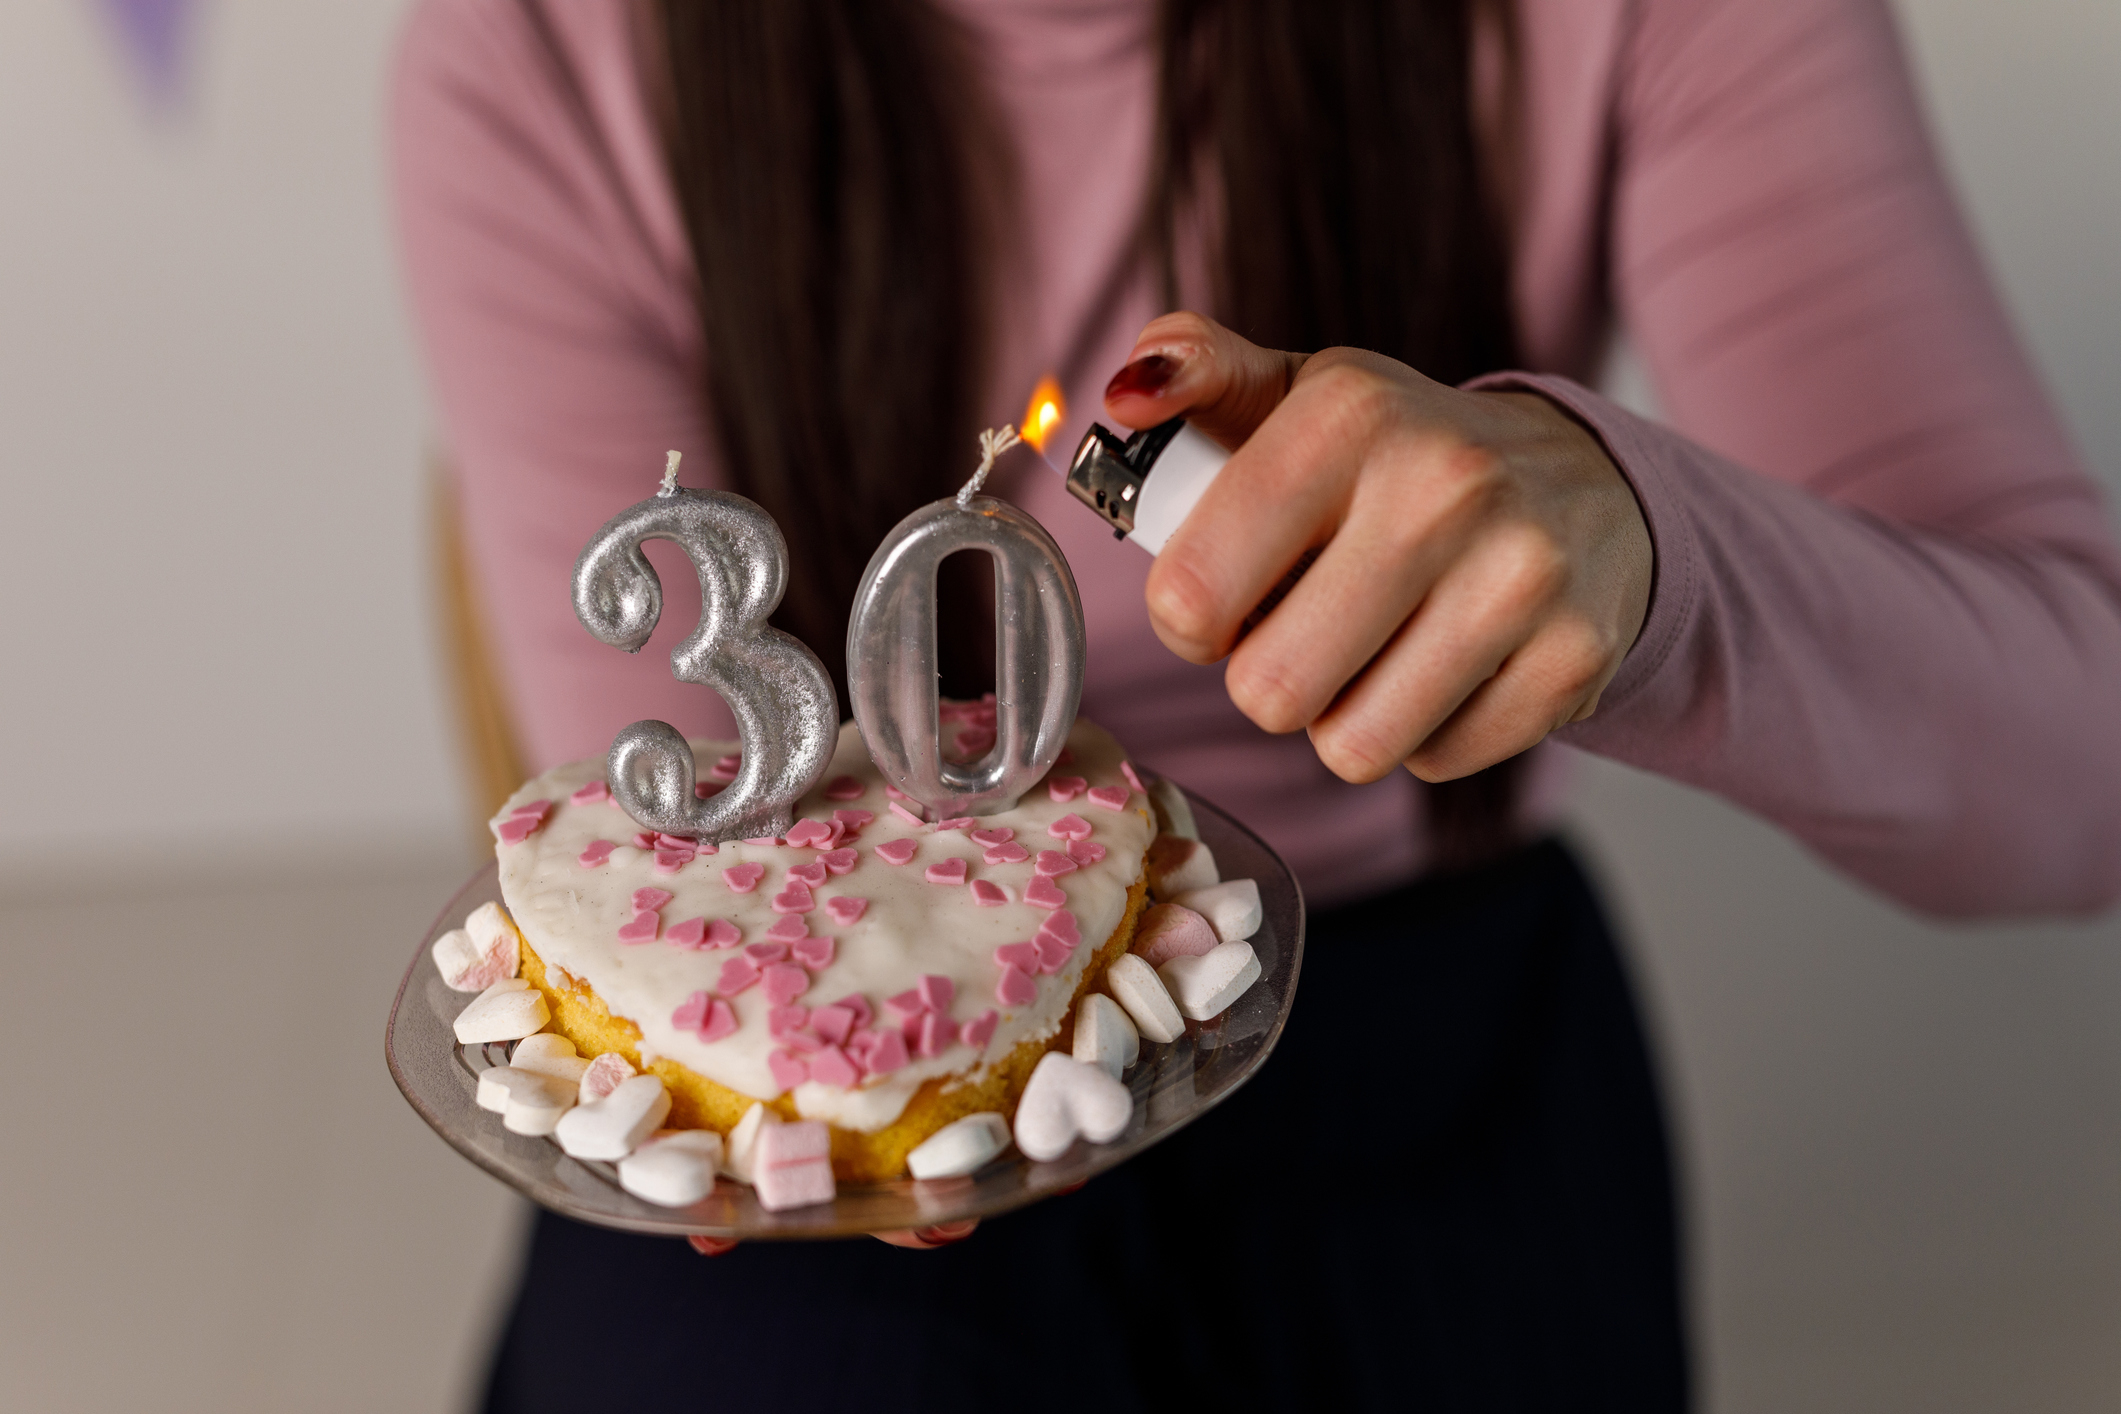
1066, 1098
1103, 1035
740, 1154
1174, 813
548, 1054
611, 1128
1204, 986
1135, 986
1177, 864
1231, 908
674, 1169
961, 1146
506, 1011
528, 1103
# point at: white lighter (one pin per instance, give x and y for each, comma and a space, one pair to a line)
1145, 486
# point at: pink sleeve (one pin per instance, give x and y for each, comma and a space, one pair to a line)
564, 363
1887, 614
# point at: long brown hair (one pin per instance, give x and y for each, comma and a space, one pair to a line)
830, 160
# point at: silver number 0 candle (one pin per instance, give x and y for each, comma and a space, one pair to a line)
785, 708
1038, 650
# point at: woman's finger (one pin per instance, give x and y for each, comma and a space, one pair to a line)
1186, 365
922, 1239
711, 1246
1551, 681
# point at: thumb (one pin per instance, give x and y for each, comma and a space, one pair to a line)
1186, 365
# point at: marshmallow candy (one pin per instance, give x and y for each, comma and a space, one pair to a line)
1205, 986
612, 1127
959, 1147
527, 1102
1136, 987
506, 1011
1174, 814
484, 951
741, 1152
674, 1168
794, 1165
603, 1075
1170, 930
1231, 908
1103, 1035
1177, 864
547, 1054
1066, 1098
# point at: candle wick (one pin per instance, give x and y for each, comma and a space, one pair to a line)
670, 475
992, 443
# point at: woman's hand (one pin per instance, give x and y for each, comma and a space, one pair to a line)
1482, 565
920, 1239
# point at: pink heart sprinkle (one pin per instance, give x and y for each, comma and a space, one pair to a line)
789, 1070
595, 793
834, 1023
787, 930
896, 851
737, 974
841, 861
781, 1020
762, 839
895, 793
667, 841
845, 910
743, 878
1069, 827
956, 822
531, 809
852, 819
907, 1003
1053, 954
1052, 862
911, 817
987, 895
721, 1021
723, 934
517, 828
936, 991
1085, 851
692, 933
1065, 787
1061, 925
1126, 768
669, 861
794, 899
1042, 892
785, 982
859, 1005
839, 832
1110, 797
763, 953
815, 953
644, 840
646, 899
830, 1066
642, 929
808, 834
946, 871
598, 852
691, 1014
1016, 988
887, 1054
937, 1032
1021, 956
1011, 853
812, 873
990, 838
843, 788
979, 1030
804, 1041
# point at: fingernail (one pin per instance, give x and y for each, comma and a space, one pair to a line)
711, 1246
943, 1234
1145, 377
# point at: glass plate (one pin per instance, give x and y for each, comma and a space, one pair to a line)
1173, 1085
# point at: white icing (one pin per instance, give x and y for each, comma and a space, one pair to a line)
570, 915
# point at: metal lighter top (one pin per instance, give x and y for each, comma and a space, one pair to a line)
1145, 485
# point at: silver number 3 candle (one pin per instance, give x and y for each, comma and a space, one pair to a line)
1038, 650
785, 708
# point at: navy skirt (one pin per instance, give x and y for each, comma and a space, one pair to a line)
1449, 1188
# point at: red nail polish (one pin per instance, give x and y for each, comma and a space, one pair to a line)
1145, 377
944, 1234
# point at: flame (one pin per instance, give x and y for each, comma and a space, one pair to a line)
1043, 413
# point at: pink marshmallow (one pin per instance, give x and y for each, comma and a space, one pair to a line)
1109, 797
642, 928
737, 974
597, 853
796, 1172
843, 788
1042, 892
1065, 788
988, 895
1167, 931
897, 851
1015, 988
743, 878
946, 871
845, 909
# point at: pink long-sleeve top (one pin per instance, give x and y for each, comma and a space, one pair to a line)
1887, 611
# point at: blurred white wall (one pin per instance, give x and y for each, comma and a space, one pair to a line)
1901, 1141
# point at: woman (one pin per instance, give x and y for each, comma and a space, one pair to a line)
1860, 585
